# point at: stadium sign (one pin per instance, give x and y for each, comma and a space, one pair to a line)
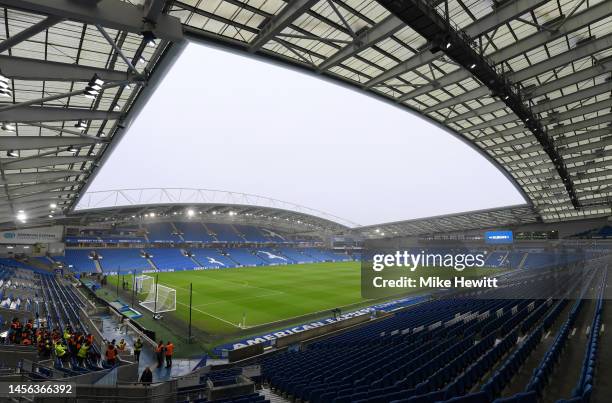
32, 235
267, 339
499, 237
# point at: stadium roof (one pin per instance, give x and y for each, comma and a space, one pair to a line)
471, 220
526, 82
211, 205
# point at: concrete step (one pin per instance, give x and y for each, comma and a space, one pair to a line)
272, 397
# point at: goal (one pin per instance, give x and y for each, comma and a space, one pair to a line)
156, 300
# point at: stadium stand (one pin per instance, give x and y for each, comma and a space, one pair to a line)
194, 232
162, 232
79, 259
170, 258
251, 233
437, 351
126, 259
224, 233
245, 257
211, 258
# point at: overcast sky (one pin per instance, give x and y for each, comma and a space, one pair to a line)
229, 122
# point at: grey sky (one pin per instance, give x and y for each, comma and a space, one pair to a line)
228, 122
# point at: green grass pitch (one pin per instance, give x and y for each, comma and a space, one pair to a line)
262, 294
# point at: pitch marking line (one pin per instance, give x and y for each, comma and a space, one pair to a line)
209, 314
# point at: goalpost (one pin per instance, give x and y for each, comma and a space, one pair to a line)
157, 300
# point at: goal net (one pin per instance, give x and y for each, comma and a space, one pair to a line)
161, 300
144, 284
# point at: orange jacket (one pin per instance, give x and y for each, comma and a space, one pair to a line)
169, 349
111, 353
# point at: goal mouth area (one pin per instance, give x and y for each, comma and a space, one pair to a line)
159, 298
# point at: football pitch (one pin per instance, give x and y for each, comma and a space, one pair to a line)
227, 301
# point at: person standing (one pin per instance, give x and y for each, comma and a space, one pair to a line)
169, 352
137, 349
147, 376
111, 354
121, 346
159, 352
82, 354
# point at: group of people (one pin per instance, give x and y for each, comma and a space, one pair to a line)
161, 350
113, 349
62, 345
166, 350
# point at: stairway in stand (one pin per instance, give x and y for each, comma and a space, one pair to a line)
272, 397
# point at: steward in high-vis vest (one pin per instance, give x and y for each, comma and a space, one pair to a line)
60, 352
137, 349
82, 354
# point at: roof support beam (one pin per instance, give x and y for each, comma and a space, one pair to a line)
28, 33
477, 28
602, 67
50, 114
589, 16
276, 24
370, 37
27, 177
426, 21
41, 162
50, 196
112, 14
37, 142
541, 107
560, 60
22, 68
30, 190
587, 49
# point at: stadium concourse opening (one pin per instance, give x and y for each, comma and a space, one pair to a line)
446, 238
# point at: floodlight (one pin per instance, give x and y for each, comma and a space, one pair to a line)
81, 125
12, 153
149, 37
72, 149
448, 45
21, 216
53, 205
93, 87
473, 65
190, 213
5, 88
50, 215
8, 127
